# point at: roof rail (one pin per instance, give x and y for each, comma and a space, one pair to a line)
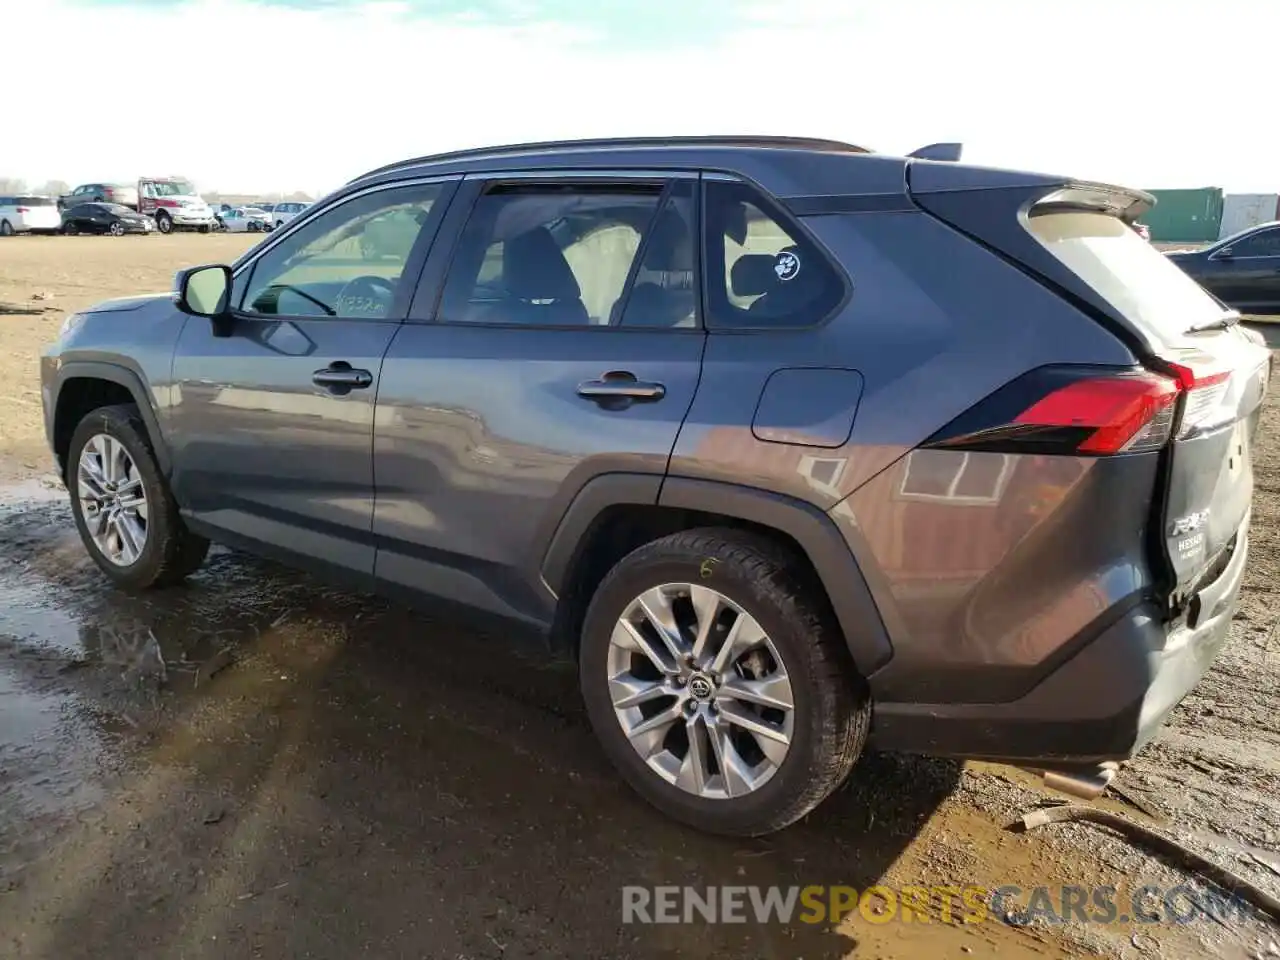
938, 151
800, 143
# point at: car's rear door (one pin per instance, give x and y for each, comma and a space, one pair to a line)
272, 419
558, 341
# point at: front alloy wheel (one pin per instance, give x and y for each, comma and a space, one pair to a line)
113, 500
123, 508
117, 229
700, 690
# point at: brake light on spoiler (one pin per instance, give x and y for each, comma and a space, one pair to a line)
1089, 411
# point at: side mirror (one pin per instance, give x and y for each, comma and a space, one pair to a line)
206, 292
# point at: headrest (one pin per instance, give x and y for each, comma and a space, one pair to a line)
752, 274
533, 268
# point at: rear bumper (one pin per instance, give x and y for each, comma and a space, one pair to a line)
1104, 704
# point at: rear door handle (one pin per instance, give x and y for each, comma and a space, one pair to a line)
621, 386
340, 376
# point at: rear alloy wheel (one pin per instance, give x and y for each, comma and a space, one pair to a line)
718, 685
164, 222
6, 228
70, 228
116, 229
126, 516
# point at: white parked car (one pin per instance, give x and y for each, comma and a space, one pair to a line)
245, 220
282, 213
25, 214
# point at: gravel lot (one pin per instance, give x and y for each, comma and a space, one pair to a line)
257, 765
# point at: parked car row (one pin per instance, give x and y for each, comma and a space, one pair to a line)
91, 209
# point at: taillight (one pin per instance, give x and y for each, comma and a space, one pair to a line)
23, 209
1077, 411
1126, 413
1207, 390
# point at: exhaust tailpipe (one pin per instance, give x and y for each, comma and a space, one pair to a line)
1087, 784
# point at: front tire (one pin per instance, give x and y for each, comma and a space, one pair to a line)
117, 229
743, 731
164, 222
126, 515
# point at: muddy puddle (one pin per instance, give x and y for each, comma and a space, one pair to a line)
255, 764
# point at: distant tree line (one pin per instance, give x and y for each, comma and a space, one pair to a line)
51, 188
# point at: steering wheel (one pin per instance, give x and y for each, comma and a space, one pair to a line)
366, 296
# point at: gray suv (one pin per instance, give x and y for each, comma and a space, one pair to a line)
793, 447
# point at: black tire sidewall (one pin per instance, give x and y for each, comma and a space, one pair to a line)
738, 815
115, 422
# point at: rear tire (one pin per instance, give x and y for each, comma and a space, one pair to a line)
70, 229
170, 552
829, 713
6, 228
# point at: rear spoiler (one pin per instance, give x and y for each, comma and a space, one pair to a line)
938, 151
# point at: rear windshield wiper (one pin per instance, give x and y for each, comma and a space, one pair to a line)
1224, 322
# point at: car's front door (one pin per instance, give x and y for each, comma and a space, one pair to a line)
271, 424
80, 216
564, 345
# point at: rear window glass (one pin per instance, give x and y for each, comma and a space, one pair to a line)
1129, 273
35, 201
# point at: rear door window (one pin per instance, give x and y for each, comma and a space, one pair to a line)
560, 255
762, 270
1141, 283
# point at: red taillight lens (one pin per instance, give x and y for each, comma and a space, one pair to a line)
1121, 414
1075, 411
24, 209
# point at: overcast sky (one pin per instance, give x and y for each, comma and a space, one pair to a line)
278, 95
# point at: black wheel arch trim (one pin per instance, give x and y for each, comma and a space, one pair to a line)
131, 381
817, 535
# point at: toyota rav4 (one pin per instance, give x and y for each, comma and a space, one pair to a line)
795, 448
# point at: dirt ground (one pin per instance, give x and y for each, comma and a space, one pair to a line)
258, 765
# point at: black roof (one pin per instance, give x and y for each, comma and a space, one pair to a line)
789, 166
600, 145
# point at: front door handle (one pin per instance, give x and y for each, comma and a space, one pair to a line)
621, 386
341, 377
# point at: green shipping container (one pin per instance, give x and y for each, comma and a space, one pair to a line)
1185, 216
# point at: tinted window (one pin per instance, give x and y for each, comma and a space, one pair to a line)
346, 262
1264, 243
761, 271
33, 201
548, 255
663, 291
